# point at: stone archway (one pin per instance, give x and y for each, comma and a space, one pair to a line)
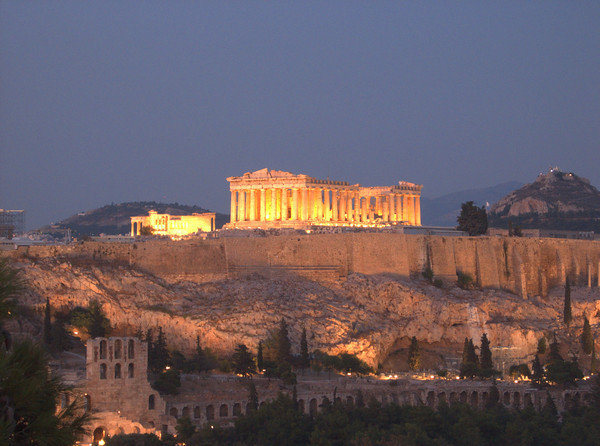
312, 407
98, 435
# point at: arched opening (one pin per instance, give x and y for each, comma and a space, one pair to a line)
349, 401
506, 398
118, 348
463, 397
130, 370
301, 405
210, 412
338, 400
453, 398
103, 349
223, 411
430, 398
312, 407
151, 402
517, 400
485, 398
117, 370
130, 350
136, 429
102, 371
197, 412
474, 399
120, 430
441, 398
98, 435
185, 413
173, 412
237, 409
325, 402
527, 400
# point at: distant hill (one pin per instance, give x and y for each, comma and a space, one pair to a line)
115, 218
556, 200
442, 211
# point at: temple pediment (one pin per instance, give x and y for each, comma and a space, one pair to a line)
267, 173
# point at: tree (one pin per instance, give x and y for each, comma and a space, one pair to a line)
414, 355
541, 346
185, 429
147, 231
168, 382
594, 361
242, 361
158, 355
91, 319
47, 324
485, 358
472, 219
470, 363
537, 371
284, 346
304, 356
567, 315
587, 340
252, 397
199, 362
260, 362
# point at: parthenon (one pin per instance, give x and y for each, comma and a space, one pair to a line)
276, 199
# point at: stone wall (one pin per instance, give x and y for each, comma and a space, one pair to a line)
522, 266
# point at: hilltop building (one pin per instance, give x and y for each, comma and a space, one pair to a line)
173, 225
276, 199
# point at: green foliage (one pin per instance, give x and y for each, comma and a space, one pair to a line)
260, 362
472, 219
567, 312
537, 372
304, 359
283, 345
541, 346
11, 285
242, 361
158, 355
252, 397
520, 371
135, 440
343, 362
147, 231
558, 370
469, 367
464, 281
414, 354
439, 283
185, 429
168, 382
587, 340
91, 320
30, 394
486, 365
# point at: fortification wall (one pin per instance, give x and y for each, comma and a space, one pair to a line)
523, 266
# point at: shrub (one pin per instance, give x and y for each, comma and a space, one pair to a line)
465, 281
438, 283
428, 274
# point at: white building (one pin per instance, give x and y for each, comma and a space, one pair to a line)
15, 218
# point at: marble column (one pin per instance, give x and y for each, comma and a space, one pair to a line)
233, 207
284, 204
241, 205
304, 204
410, 210
263, 205
273, 213
356, 206
418, 211
252, 205
385, 209
393, 207
378, 205
335, 205
349, 210
310, 208
295, 203
363, 209
327, 211
342, 206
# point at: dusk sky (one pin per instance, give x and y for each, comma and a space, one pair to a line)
106, 102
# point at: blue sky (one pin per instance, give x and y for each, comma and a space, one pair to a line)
118, 101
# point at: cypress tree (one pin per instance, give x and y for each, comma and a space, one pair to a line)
304, 357
554, 355
260, 362
199, 361
284, 346
594, 361
486, 363
537, 375
252, 397
567, 314
541, 346
47, 324
587, 340
470, 365
243, 362
414, 355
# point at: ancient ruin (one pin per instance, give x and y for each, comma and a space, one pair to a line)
276, 199
173, 225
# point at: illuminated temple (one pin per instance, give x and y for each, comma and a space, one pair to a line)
276, 199
173, 225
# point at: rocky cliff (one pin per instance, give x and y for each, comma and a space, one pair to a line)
372, 315
556, 200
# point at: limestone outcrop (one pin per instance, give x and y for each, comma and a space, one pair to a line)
370, 315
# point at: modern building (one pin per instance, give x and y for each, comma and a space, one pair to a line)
276, 199
173, 225
14, 218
